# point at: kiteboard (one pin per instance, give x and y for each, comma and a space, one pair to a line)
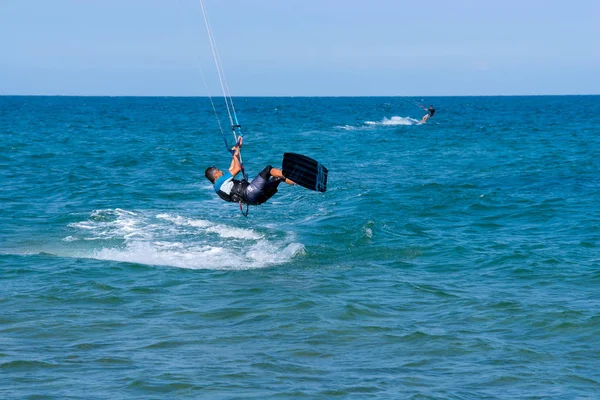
305, 171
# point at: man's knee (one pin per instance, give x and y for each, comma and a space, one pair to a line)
266, 172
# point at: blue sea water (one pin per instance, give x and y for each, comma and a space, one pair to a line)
456, 259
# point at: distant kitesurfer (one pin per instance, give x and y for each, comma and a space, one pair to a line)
256, 192
430, 112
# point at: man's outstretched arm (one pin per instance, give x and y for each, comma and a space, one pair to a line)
235, 167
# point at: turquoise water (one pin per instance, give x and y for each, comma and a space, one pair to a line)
455, 259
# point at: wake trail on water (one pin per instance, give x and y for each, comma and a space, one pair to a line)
393, 121
177, 241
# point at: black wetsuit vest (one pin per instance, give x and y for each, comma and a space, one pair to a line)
238, 192
431, 111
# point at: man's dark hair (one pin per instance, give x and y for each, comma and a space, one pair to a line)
210, 173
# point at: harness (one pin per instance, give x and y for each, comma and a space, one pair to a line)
238, 192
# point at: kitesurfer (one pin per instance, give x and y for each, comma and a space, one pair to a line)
430, 112
256, 192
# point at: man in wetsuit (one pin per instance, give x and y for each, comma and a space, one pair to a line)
256, 192
429, 114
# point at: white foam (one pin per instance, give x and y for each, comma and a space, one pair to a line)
178, 220
206, 257
178, 241
349, 127
105, 224
81, 225
263, 254
270, 253
120, 211
394, 121
221, 230
231, 232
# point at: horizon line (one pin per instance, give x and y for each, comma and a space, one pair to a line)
284, 96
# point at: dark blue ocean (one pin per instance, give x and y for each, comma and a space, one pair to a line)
458, 259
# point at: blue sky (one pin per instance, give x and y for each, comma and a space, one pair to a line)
300, 47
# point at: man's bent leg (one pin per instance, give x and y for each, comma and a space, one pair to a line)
256, 188
276, 173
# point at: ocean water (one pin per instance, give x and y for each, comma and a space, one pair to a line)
457, 259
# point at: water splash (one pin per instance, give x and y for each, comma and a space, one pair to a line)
394, 121
178, 241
